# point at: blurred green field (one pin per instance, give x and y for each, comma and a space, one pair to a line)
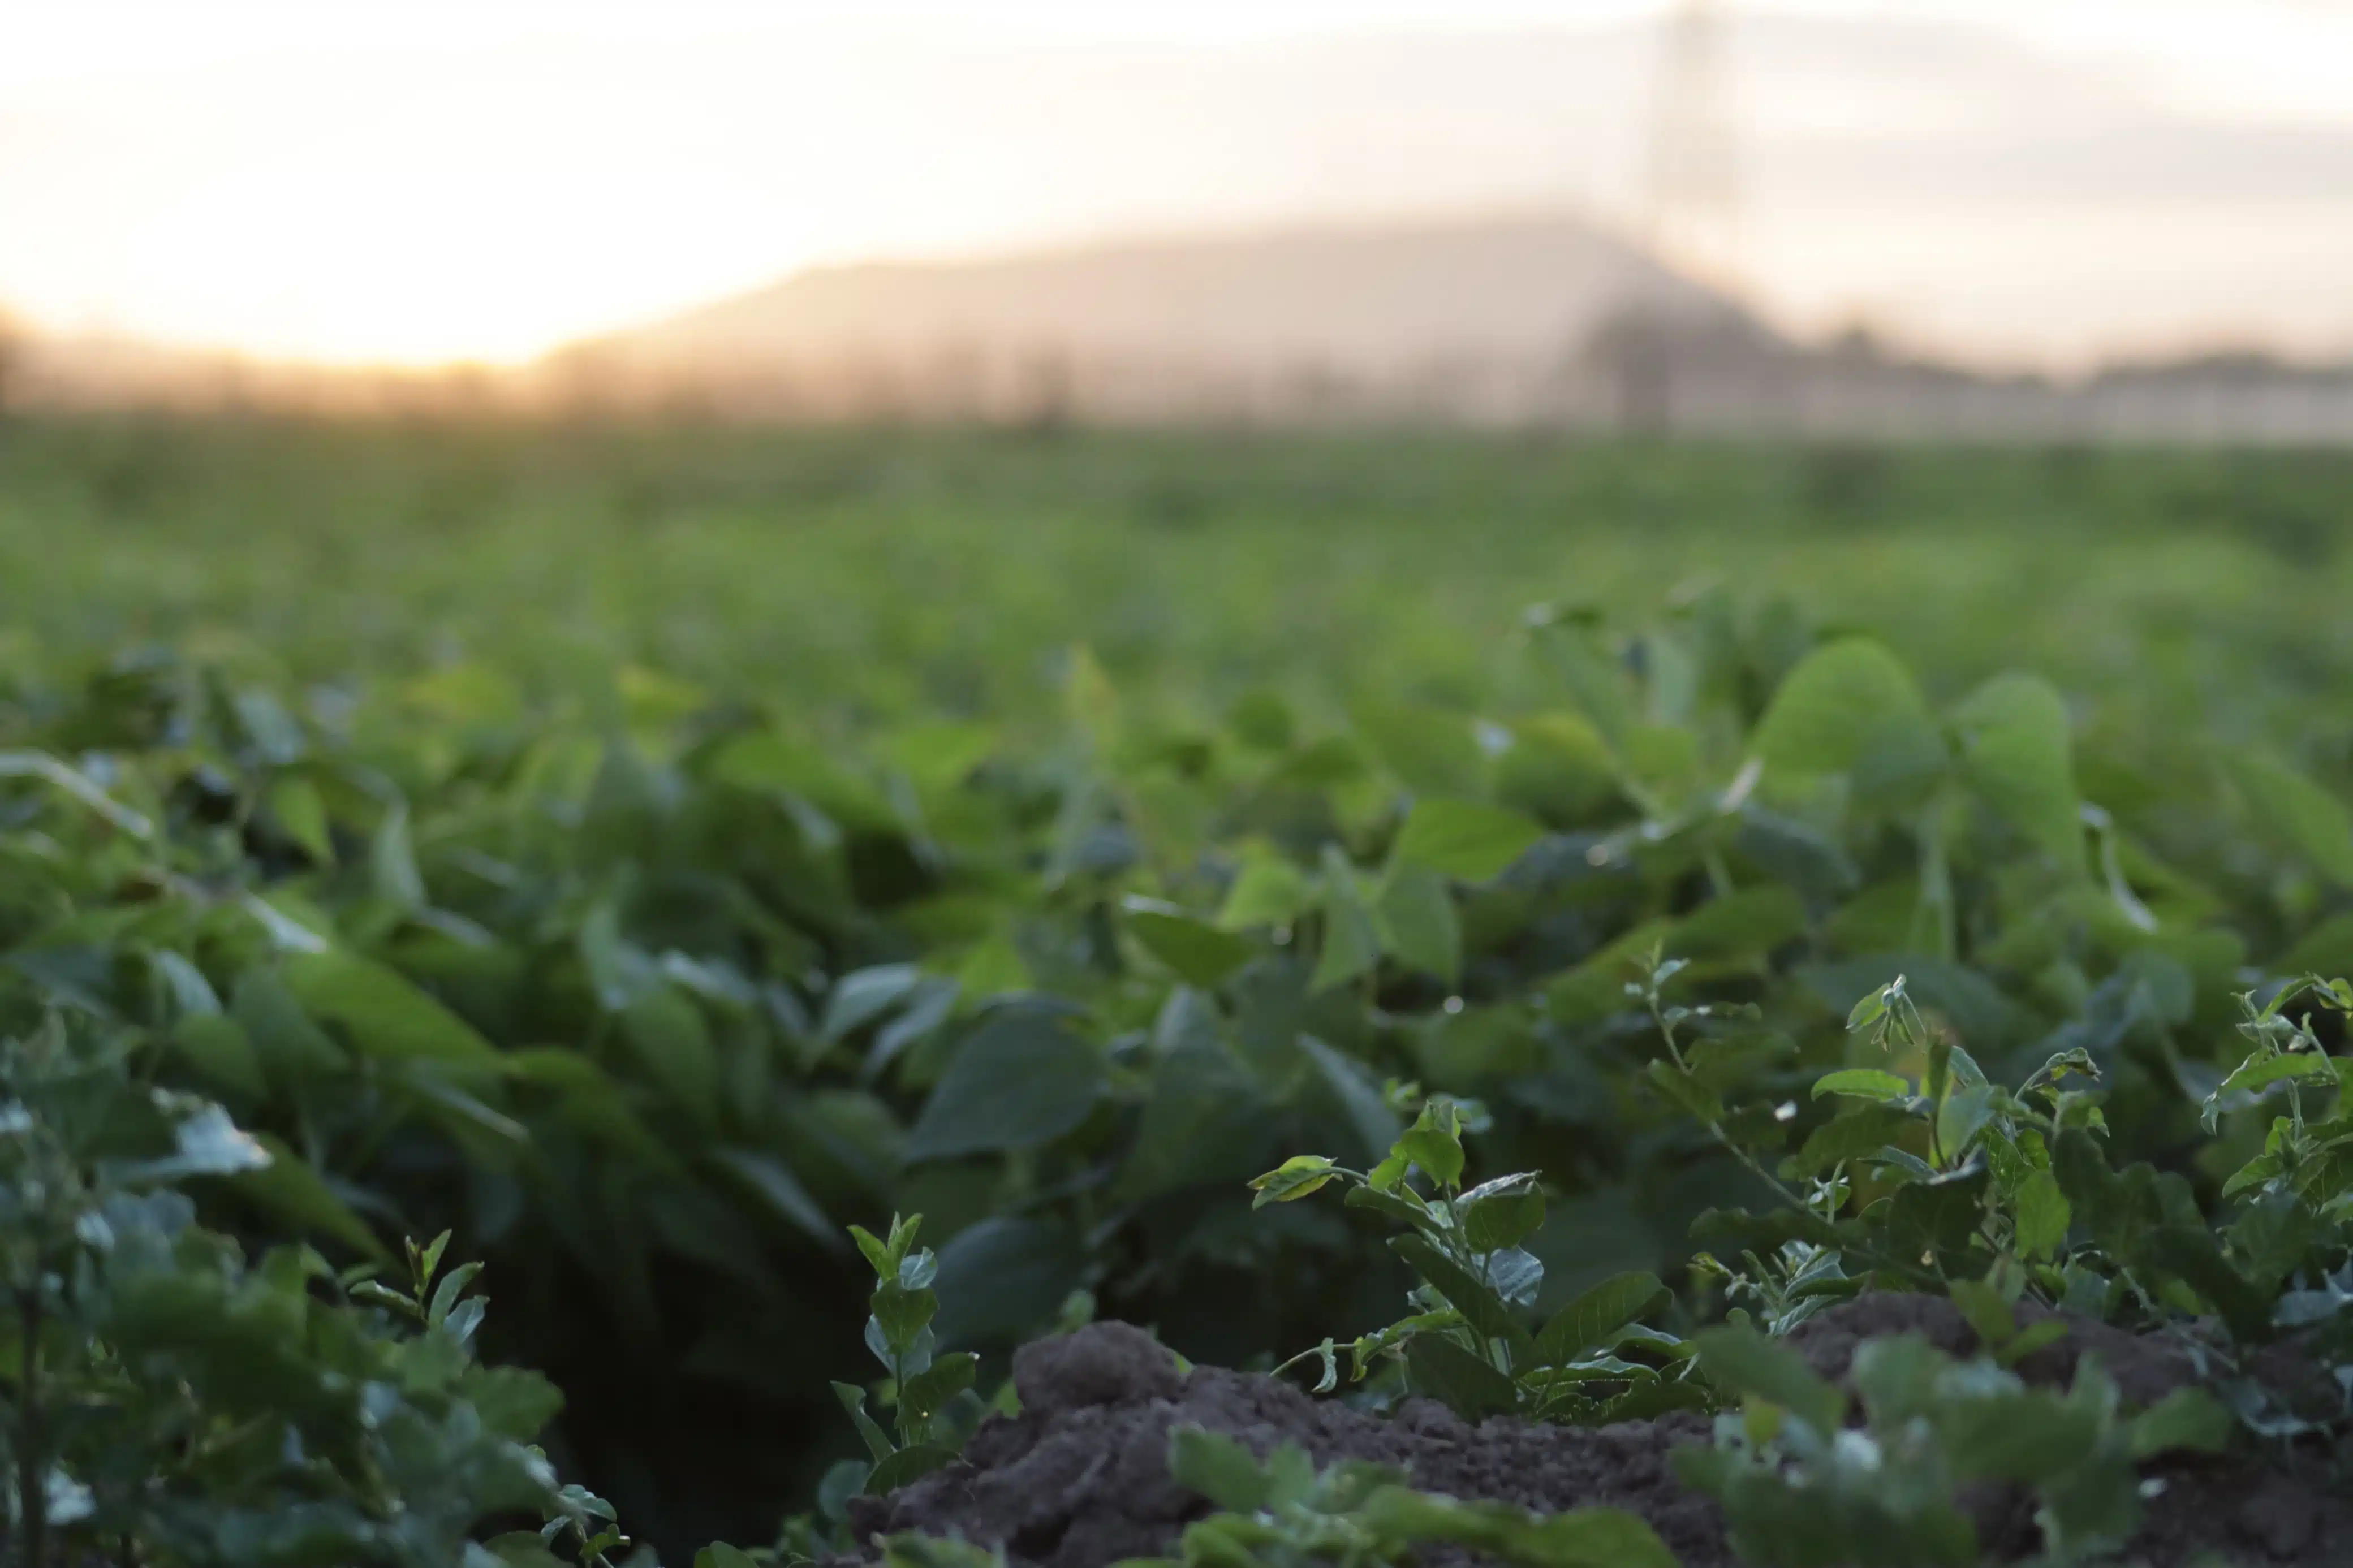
871, 574
645, 852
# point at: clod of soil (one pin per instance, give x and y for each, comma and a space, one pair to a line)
1080, 1479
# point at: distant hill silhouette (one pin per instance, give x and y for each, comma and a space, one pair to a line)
1535, 320
1367, 299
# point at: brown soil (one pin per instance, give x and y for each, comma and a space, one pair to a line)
1080, 1479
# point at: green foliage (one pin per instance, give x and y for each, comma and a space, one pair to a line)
788, 868
171, 1401
1801, 1488
1470, 1339
922, 1383
1284, 1512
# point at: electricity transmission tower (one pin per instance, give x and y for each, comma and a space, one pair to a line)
1692, 210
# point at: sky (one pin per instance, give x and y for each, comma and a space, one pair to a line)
2026, 182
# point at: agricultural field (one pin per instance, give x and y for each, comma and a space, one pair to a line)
1567, 929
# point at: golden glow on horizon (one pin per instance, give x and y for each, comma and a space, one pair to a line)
429, 184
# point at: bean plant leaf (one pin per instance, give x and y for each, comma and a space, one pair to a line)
1863, 1083
1418, 923
1499, 1214
1465, 839
1200, 953
1352, 937
1217, 1467
1842, 701
1022, 1079
2014, 752
1295, 1178
1590, 1319
912, 1463
777, 1187
1851, 1136
2299, 812
384, 1013
1268, 892
1439, 1369
1477, 1301
1744, 1363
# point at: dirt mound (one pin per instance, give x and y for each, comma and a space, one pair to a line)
1080, 1479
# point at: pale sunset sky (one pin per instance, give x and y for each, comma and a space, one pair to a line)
2024, 182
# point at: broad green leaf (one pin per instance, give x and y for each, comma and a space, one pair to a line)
862, 995
946, 1378
1746, 924
1352, 937
912, 1463
1851, 1136
1217, 1467
1599, 1312
2186, 1419
1002, 1280
215, 1046
2014, 752
1744, 1363
1269, 891
2023, 1438
1418, 924
718, 1554
1437, 1368
902, 1312
1863, 1083
1579, 1538
1430, 1144
939, 756
1842, 701
2043, 1215
1501, 1214
1464, 839
1591, 1538
2259, 1072
1200, 954
766, 1174
286, 1042
1558, 764
589, 1099
1294, 1178
1596, 682
1473, 1298
1203, 1124
488, 1135
289, 1188
301, 811
670, 1042
384, 1013
392, 864
1432, 750
1022, 1079
1685, 1090
1963, 1114
2307, 817
2194, 1255
1987, 1310
1355, 1093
